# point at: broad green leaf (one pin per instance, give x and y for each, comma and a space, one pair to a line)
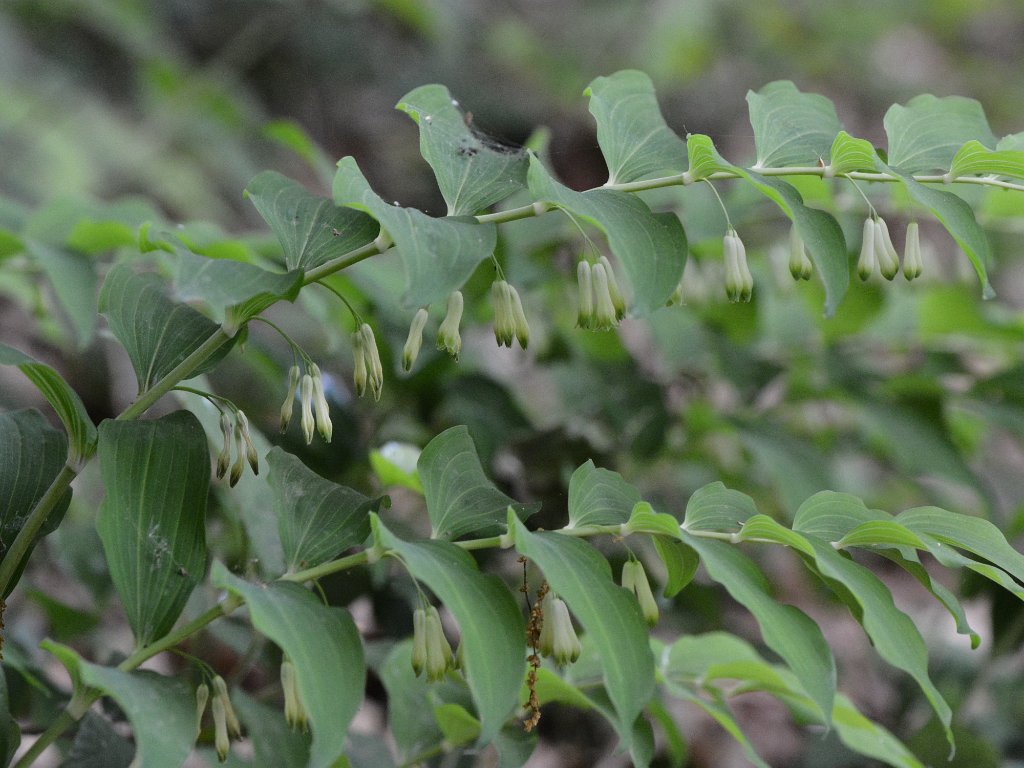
952, 558
472, 170
162, 710
98, 745
458, 726
790, 127
460, 498
493, 631
925, 135
410, 718
850, 154
32, 453
714, 507
975, 159
311, 229
395, 464
274, 741
785, 629
634, 139
439, 254
680, 563
514, 746
60, 395
721, 714
650, 246
323, 644
234, 292
156, 332
152, 521
599, 497
550, 687
611, 617
73, 277
964, 532
830, 515
704, 158
690, 657
316, 519
867, 737
893, 634
645, 520
880, 533
765, 528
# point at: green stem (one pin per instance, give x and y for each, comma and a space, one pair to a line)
181, 633
46, 738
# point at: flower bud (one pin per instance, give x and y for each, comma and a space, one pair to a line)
220, 730
412, 344
866, 261
448, 337
739, 283
289, 402
220, 691
359, 372
250, 450
888, 259
605, 316
202, 697
320, 406
522, 328
239, 465
373, 366
912, 264
306, 402
584, 279
557, 635
800, 266
634, 578
294, 711
419, 641
439, 652
224, 457
504, 322
613, 289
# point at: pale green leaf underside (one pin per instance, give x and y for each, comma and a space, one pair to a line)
650, 246
610, 615
790, 127
490, 622
714, 507
439, 254
634, 138
59, 394
975, 159
472, 171
310, 229
152, 521
849, 154
323, 645
830, 515
599, 497
316, 519
925, 135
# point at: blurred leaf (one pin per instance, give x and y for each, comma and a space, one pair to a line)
680, 561
316, 519
152, 521
274, 741
458, 726
410, 718
785, 629
514, 746
98, 745
925, 135
582, 577
721, 714
493, 631
395, 464
599, 497
311, 229
650, 246
472, 170
714, 507
73, 277
439, 254
973, 158
10, 733
60, 395
635, 141
65, 621
790, 127
324, 646
291, 135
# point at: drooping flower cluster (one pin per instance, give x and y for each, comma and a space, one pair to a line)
311, 399
634, 578
509, 318
739, 283
601, 305
557, 636
448, 337
431, 651
411, 350
368, 369
294, 711
236, 434
225, 722
877, 250
800, 266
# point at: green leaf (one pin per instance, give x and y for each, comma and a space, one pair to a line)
395, 464
311, 229
880, 533
157, 333
472, 170
460, 498
714, 507
925, 134
611, 617
316, 519
868, 738
975, 159
650, 246
60, 395
98, 745
458, 726
721, 714
599, 497
73, 277
830, 515
439, 254
89, 226
323, 644
893, 634
634, 139
234, 292
32, 453
704, 158
410, 718
849, 154
785, 629
152, 521
645, 520
764, 527
290, 134
680, 563
162, 710
790, 127
274, 741
493, 631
